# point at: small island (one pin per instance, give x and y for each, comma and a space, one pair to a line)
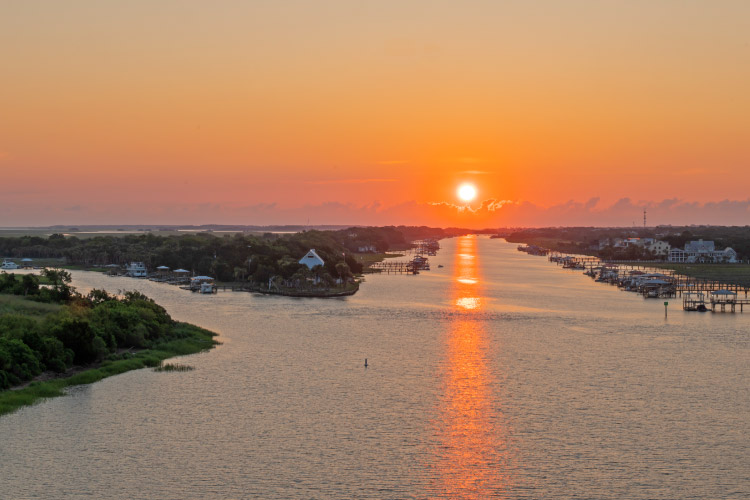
52, 337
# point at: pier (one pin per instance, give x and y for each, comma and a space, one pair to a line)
394, 267
698, 294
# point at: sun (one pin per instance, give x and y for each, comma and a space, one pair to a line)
467, 192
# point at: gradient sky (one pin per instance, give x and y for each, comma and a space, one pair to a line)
373, 112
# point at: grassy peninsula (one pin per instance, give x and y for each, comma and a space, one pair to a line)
53, 337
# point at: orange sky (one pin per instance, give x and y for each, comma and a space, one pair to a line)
132, 111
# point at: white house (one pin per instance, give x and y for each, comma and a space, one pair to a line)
136, 270
656, 247
312, 259
367, 249
702, 251
659, 248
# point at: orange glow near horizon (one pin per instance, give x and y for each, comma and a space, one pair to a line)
472, 447
260, 103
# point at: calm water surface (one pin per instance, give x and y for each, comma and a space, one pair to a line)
496, 376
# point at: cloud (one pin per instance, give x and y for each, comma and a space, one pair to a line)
490, 205
490, 212
591, 203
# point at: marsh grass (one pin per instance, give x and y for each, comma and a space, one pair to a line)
16, 304
173, 367
196, 340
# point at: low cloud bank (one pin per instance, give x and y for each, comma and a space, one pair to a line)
488, 213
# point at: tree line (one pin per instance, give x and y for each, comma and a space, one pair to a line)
238, 257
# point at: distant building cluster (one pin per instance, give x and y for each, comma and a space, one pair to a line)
702, 251
658, 248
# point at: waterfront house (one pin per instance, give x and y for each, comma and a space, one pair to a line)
27, 263
312, 259
136, 270
659, 248
702, 251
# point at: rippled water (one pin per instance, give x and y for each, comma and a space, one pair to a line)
497, 376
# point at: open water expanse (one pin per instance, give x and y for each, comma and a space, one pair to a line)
497, 376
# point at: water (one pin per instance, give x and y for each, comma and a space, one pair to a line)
497, 376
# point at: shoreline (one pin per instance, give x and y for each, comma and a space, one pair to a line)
36, 391
732, 275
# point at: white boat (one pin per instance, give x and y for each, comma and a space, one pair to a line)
136, 270
202, 284
9, 264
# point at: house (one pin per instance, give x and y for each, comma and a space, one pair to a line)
639, 242
367, 249
312, 259
136, 270
656, 247
27, 263
659, 248
702, 251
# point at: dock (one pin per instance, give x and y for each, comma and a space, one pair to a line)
698, 294
394, 267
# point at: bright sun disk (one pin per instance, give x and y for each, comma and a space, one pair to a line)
467, 192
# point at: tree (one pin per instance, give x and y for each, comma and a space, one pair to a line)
29, 284
77, 335
60, 280
97, 296
342, 268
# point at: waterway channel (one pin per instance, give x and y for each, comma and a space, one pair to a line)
498, 375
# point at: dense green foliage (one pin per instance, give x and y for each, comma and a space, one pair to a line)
239, 257
230, 258
79, 331
189, 340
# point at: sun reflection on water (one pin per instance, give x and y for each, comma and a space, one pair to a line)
472, 449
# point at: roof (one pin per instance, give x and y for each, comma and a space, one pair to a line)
163, 267
202, 278
181, 271
312, 259
723, 292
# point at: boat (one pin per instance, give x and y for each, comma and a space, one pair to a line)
9, 264
197, 284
